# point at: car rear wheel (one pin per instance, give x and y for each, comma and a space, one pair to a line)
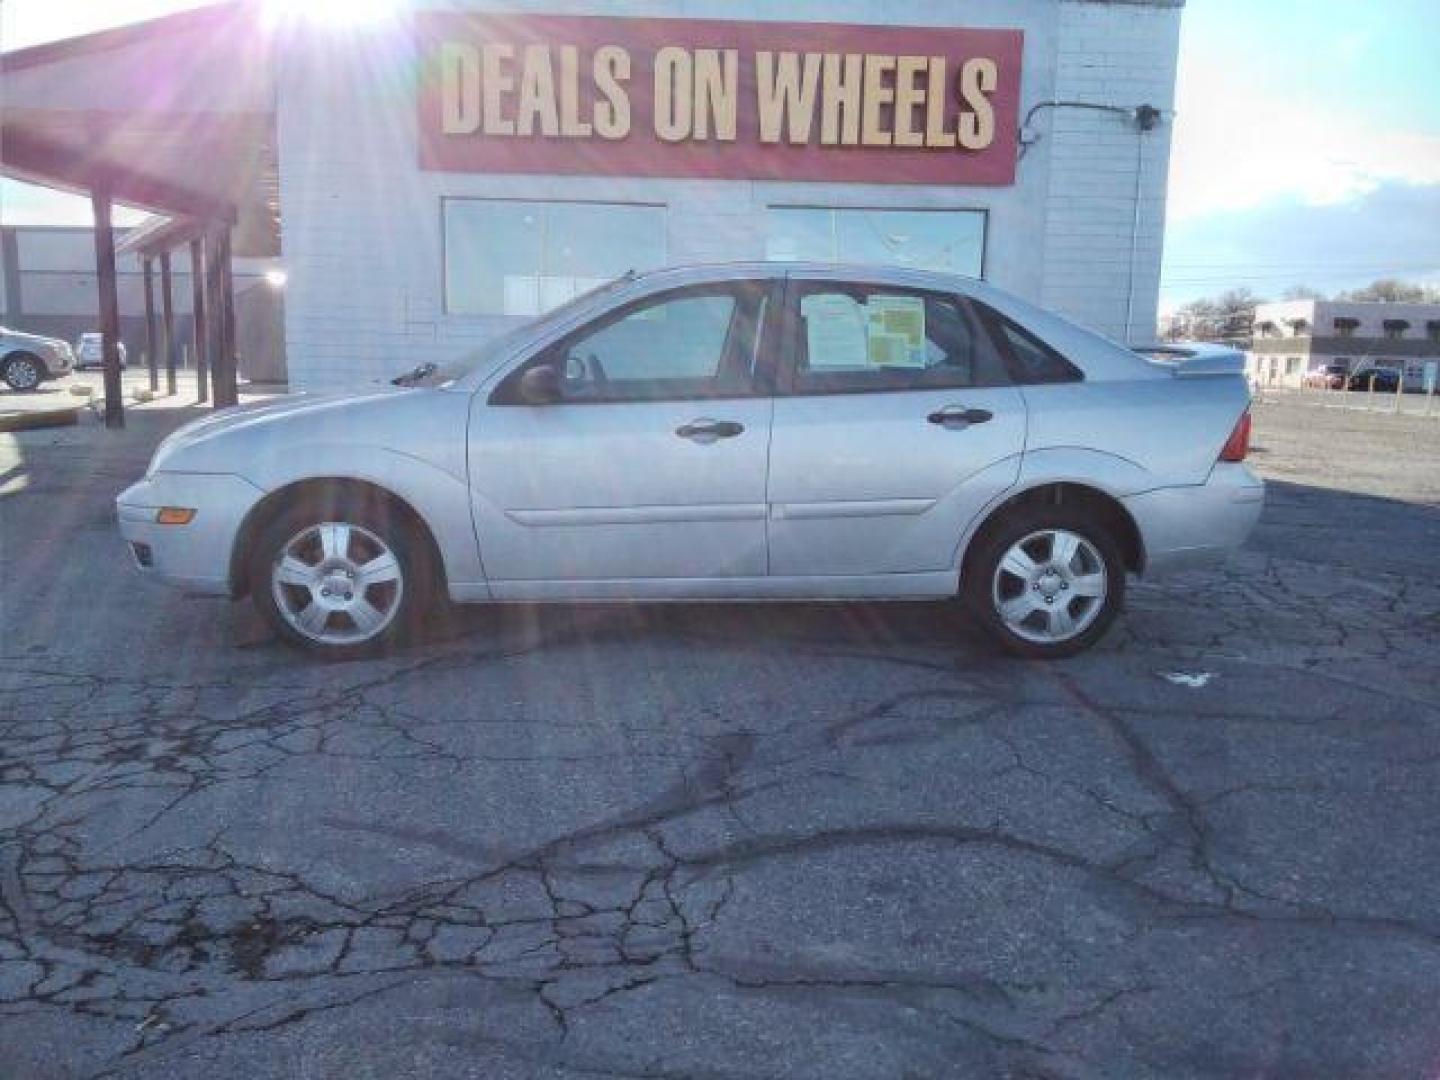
344, 576
23, 371
1047, 582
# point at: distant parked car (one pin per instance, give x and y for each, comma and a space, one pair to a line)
27, 360
1386, 380
90, 352
761, 432
1329, 377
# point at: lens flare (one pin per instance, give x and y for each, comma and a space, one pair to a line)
331, 12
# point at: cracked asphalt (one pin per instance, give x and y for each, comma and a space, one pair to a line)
802, 841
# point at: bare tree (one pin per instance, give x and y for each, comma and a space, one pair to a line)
1229, 316
1393, 291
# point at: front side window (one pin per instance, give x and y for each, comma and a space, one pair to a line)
523, 258
696, 343
860, 337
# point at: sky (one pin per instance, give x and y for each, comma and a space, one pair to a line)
1306, 143
1306, 146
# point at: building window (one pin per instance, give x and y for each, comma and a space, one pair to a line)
1299, 327
948, 240
512, 257
1395, 328
1292, 365
1345, 327
1267, 328
1432, 329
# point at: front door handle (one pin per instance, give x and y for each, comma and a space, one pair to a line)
954, 417
707, 431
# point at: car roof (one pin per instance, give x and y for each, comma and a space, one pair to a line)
729, 271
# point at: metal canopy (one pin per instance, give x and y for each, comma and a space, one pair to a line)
175, 116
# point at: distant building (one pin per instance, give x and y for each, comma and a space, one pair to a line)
47, 286
1296, 337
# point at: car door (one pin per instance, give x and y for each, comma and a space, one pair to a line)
895, 425
650, 462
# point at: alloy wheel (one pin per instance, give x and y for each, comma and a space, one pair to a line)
1050, 586
23, 374
337, 583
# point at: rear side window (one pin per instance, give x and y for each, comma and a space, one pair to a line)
1030, 359
856, 338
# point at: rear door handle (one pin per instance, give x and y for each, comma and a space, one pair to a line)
706, 431
952, 416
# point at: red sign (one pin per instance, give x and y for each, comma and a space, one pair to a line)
702, 98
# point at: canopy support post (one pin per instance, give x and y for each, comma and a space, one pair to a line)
152, 335
197, 319
167, 321
105, 282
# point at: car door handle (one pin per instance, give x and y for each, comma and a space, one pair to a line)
955, 417
708, 431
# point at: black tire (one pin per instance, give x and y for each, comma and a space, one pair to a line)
374, 515
24, 371
978, 589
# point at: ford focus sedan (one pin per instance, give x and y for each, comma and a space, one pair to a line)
739, 432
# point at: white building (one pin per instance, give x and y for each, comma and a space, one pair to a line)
432, 176
1296, 337
47, 286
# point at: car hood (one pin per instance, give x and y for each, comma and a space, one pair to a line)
256, 417
19, 337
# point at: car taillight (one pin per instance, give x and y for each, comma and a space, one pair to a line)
1238, 445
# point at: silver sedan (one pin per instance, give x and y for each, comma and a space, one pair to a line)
742, 432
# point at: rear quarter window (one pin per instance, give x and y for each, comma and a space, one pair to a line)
1029, 359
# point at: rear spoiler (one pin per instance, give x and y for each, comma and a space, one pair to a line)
1199, 358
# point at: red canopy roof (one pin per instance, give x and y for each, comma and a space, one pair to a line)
175, 115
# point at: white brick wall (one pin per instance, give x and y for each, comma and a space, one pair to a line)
361, 227
1099, 265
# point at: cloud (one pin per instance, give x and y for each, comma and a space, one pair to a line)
1390, 231
1238, 147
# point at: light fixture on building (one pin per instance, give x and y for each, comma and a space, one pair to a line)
275, 277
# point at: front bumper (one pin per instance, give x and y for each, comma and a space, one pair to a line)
1187, 527
195, 557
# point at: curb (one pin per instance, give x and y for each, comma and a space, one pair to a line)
39, 418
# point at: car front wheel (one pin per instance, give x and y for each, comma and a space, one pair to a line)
23, 372
343, 577
1047, 583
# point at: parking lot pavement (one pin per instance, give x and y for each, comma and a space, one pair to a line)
828, 841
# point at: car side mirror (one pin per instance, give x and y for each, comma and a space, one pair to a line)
542, 385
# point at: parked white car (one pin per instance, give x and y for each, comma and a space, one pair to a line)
90, 352
745, 432
27, 360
